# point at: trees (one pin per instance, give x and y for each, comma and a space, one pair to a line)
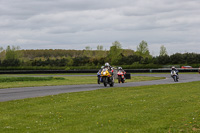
163, 51
116, 56
117, 45
177, 59
100, 47
88, 48
191, 58
11, 52
163, 58
115, 53
1, 49
69, 61
142, 49
12, 56
129, 60
88, 51
2, 53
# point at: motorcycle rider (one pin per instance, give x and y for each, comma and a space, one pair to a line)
99, 73
120, 69
100, 70
107, 65
174, 69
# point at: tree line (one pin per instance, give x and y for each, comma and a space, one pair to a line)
14, 57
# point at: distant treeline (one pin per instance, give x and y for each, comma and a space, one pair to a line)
14, 58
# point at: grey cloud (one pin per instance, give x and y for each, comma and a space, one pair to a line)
77, 23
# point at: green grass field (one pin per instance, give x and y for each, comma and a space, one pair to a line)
22, 79
171, 108
12, 81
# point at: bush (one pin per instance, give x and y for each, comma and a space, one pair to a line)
141, 66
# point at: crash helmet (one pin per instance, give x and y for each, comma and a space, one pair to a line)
107, 64
102, 67
173, 68
120, 68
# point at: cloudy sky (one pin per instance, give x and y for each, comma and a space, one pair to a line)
75, 24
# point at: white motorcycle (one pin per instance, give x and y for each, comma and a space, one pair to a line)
174, 75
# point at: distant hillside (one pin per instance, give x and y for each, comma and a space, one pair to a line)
50, 53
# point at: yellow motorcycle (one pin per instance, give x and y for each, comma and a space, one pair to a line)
107, 78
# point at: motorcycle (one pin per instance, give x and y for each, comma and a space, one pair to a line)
107, 78
120, 77
174, 75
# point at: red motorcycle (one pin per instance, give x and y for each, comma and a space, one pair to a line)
121, 76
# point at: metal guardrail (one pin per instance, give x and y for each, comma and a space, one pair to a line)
45, 71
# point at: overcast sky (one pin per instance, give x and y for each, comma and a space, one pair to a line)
75, 24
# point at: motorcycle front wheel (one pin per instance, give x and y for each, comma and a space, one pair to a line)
112, 84
122, 80
105, 82
175, 78
119, 79
98, 80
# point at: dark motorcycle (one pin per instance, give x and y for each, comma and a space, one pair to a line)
100, 79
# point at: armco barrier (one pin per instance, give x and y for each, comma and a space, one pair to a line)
91, 71
128, 76
179, 69
45, 71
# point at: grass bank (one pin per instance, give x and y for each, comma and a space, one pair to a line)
149, 109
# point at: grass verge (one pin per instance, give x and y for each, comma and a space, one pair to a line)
17, 79
147, 109
65, 80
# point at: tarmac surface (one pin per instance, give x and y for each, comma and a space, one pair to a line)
29, 92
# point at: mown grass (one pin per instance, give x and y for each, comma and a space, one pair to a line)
13, 82
16, 79
170, 108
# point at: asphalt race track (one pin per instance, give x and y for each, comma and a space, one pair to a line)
28, 92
